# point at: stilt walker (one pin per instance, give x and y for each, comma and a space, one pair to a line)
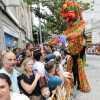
74, 34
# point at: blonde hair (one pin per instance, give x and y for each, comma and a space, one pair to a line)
22, 70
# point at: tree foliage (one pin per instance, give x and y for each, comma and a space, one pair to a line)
54, 21
36, 34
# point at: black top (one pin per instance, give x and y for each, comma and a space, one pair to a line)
29, 81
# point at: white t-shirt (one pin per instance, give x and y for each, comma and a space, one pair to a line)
39, 67
57, 53
16, 96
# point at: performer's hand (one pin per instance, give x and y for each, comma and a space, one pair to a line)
62, 38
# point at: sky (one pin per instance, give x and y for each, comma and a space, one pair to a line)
35, 19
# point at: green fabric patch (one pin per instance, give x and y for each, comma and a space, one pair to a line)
75, 23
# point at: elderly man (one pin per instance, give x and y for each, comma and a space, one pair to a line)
9, 62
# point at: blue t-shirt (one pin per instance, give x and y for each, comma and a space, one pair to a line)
52, 81
13, 78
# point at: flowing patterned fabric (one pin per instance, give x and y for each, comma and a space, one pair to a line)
53, 42
70, 65
84, 85
69, 69
75, 37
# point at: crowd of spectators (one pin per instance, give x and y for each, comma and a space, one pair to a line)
35, 72
32, 73
93, 49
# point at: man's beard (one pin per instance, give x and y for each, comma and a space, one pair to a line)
11, 68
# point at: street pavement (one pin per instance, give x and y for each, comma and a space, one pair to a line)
93, 75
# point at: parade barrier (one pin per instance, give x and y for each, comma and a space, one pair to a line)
63, 92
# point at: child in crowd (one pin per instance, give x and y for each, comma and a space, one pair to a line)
52, 80
45, 93
61, 63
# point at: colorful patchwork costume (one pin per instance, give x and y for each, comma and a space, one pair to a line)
74, 34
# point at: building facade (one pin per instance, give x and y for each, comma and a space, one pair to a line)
15, 25
92, 19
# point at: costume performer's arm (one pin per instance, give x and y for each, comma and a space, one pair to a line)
64, 37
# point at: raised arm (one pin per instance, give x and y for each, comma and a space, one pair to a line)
30, 88
53, 42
